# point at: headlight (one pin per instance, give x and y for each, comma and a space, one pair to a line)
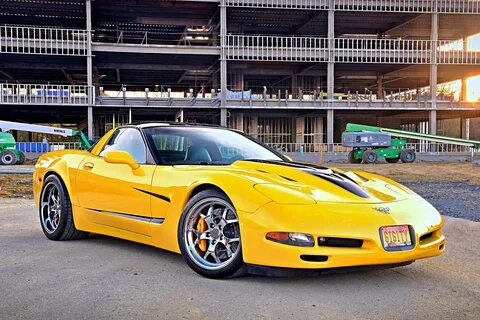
292, 238
283, 195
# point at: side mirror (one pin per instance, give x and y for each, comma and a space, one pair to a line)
121, 157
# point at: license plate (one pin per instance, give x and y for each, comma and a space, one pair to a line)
396, 236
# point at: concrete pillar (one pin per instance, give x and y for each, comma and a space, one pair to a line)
463, 92
465, 128
331, 75
237, 80
380, 86
223, 65
253, 127
318, 130
238, 121
330, 128
434, 75
294, 89
130, 119
88, 9
433, 122
223, 117
179, 116
299, 130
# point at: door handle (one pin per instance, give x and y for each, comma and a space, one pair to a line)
88, 165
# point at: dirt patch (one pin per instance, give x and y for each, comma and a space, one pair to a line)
422, 171
16, 186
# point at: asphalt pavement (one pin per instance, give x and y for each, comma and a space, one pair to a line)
107, 278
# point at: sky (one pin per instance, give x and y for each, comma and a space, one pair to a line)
473, 83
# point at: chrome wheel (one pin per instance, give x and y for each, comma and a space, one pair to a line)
50, 208
212, 233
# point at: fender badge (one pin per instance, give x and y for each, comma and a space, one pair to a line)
385, 210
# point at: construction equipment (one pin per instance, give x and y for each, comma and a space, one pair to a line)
9, 155
370, 143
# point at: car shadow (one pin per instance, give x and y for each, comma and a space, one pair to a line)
345, 277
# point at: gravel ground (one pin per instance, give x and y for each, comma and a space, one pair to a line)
455, 199
107, 278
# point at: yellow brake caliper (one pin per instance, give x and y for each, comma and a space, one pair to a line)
201, 227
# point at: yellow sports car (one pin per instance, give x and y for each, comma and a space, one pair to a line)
230, 204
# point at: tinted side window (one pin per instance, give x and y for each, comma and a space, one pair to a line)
129, 140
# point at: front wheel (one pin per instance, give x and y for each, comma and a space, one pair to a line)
209, 235
55, 212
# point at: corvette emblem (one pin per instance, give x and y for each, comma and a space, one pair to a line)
385, 210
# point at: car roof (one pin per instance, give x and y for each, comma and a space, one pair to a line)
144, 125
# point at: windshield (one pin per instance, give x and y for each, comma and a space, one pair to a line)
197, 145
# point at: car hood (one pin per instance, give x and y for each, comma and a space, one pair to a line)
324, 184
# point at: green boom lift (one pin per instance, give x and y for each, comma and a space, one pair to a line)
10, 155
370, 143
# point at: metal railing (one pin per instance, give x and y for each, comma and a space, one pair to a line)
346, 50
383, 51
48, 41
275, 48
414, 6
45, 94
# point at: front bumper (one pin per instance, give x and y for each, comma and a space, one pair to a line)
352, 221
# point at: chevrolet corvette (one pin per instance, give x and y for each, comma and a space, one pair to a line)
230, 204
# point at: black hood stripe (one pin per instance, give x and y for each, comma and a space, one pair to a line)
327, 174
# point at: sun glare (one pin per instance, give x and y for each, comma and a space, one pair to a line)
473, 83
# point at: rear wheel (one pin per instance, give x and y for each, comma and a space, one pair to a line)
209, 235
392, 160
55, 212
351, 157
369, 157
408, 156
8, 157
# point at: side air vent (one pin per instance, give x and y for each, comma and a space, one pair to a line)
339, 242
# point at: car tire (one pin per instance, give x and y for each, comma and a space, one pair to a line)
8, 157
351, 158
55, 212
369, 156
392, 160
408, 156
211, 216
21, 159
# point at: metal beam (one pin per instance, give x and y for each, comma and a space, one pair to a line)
434, 76
88, 9
223, 66
153, 48
331, 75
